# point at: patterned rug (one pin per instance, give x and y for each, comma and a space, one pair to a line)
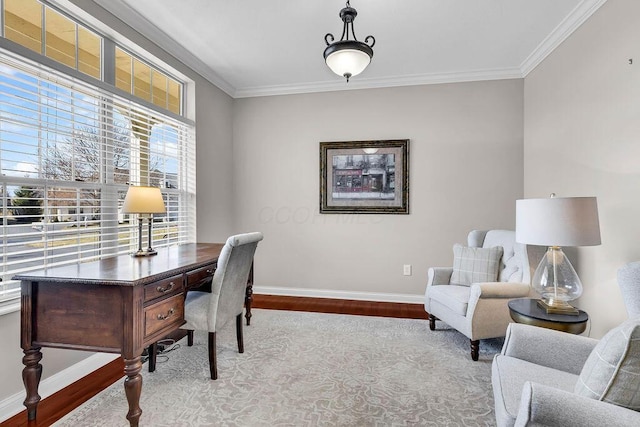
313, 369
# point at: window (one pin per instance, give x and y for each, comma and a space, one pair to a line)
50, 33
146, 82
23, 23
70, 146
62, 40
67, 153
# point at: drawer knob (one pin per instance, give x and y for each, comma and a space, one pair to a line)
167, 289
209, 271
166, 316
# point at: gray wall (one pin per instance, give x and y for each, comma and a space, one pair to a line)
466, 165
582, 138
213, 163
213, 136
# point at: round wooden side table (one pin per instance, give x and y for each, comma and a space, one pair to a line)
526, 310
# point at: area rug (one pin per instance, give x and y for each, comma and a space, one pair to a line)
312, 369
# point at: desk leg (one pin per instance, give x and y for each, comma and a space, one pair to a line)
31, 375
132, 388
248, 297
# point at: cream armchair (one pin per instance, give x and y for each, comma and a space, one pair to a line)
480, 310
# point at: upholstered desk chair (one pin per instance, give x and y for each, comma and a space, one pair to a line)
210, 312
478, 308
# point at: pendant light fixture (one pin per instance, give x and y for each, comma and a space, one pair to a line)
348, 57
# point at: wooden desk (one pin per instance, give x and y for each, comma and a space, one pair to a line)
116, 305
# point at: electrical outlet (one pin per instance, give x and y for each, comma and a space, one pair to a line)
406, 270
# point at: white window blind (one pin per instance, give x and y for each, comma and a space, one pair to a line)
68, 151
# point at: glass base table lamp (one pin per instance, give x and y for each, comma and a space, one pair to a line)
556, 222
144, 200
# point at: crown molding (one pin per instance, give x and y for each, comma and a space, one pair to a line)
142, 25
371, 83
577, 17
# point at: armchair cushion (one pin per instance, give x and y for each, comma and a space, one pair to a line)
612, 371
472, 265
455, 297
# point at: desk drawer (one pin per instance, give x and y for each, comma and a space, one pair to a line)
200, 276
162, 288
163, 314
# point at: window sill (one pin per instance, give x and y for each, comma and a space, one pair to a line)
9, 306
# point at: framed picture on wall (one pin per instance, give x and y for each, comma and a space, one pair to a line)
364, 177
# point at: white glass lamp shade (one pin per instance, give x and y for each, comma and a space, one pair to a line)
348, 62
143, 200
558, 221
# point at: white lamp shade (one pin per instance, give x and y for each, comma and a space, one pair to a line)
558, 221
348, 61
143, 200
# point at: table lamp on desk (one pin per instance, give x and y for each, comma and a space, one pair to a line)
144, 200
556, 222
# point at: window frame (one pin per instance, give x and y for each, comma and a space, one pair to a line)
105, 83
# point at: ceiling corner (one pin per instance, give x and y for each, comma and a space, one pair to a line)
572, 22
139, 23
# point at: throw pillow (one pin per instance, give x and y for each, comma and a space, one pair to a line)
473, 265
612, 370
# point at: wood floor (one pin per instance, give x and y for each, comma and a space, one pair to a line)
324, 305
64, 401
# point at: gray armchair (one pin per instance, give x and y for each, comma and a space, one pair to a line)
545, 377
534, 381
629, 282
480, 310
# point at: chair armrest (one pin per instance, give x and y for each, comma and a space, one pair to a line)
548, 347
439, 275
541, 405
500, 290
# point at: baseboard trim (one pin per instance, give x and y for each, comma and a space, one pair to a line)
13, 404
343, 295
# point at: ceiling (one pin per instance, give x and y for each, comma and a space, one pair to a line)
257, 47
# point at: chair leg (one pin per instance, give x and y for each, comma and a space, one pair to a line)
153, 351
432, 322
475, 349
190, 338
239, 333
213, 363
